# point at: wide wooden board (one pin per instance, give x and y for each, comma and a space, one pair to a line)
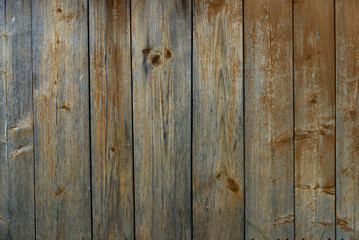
111, 120
161, 49
268, 48
314, 84
61, 110
218, 186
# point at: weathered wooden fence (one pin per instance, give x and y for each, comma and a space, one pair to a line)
178, 119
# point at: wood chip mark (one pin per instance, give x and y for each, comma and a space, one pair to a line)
59, 191
285, 219
3, 220
20, 150
343, 224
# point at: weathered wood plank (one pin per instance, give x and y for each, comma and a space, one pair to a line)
161, 37
269, 118
111, 120
347, 125
218, 195
17, 220
4, 180
314, 118
61, 114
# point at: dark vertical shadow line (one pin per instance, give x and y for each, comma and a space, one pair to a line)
89, 104
335, 120
33, 117
192, 220
5, 93
244, 122
133, 131
293, 114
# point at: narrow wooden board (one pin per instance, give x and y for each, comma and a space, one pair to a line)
61, 114
218, 194
314, 118
17, 219
161, 47
111, 120
4, 180
268, 49
347, 129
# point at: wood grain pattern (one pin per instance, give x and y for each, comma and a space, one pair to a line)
161, 41
61, 109
218, 194
314, 118
4, 180
98, 100
16, 147
111, 120
347, 125
269, 118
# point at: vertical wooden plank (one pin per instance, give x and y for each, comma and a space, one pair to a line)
269, 118
314, 118
61, 109
4, 186
111, 119
161, 41
17, 158
347, 65
218, 196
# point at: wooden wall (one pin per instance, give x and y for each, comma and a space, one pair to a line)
179, 119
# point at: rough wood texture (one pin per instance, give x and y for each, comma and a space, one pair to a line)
16, 134
61, 110
347, 65
269, 118
161, 41
314, 118
4, 173
78, 83
218, 194
3, 141
111, 120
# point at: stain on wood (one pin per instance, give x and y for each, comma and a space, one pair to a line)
315, 116
268, 117
111, 120
347, 125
